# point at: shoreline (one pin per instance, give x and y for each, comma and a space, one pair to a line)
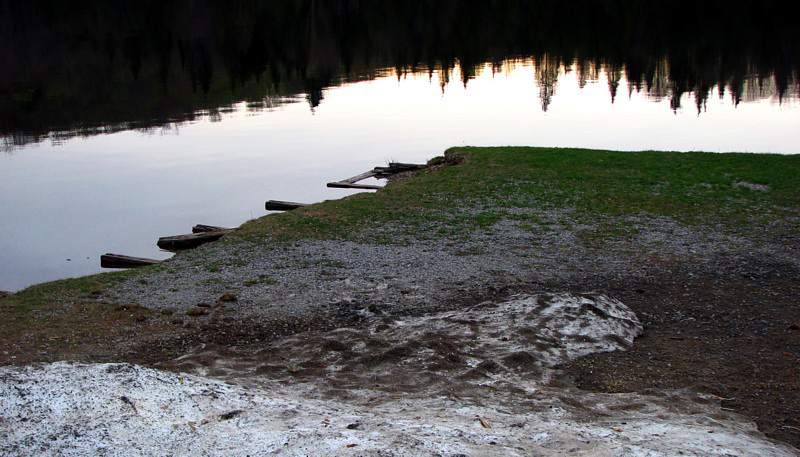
680, 238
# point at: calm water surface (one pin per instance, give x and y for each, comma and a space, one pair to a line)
206, 149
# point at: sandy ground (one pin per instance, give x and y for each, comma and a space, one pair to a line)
473, 382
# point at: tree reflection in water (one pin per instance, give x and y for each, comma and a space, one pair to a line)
90, 67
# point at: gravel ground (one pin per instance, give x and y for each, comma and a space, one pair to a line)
292, 279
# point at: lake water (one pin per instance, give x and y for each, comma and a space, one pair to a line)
119, 127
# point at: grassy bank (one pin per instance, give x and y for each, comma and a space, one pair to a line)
731, 191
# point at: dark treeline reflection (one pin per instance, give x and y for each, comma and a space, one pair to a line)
81, 67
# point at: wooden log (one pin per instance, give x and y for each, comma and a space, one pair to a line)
124, 261
201, 228
349, 185
395, 168
406, 166
357, 178
179, 242
275, 205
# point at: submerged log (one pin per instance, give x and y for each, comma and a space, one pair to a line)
276, 205
201, 228
180, 242
124, 261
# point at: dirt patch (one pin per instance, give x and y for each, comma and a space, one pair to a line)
733, 335
521, 340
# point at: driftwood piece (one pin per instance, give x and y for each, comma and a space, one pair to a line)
406, 166
378, 172
350, 183
180, 242
201, 228
395, 168
276, 205
124, 261
357, 178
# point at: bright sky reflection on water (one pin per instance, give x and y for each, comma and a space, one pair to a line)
120, 192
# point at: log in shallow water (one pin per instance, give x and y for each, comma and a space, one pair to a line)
202, 228
124, 261
179, 242
276, 205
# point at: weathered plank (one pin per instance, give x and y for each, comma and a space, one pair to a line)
179, 242
124, 261
361, 177
202, 228
350, 183
276, 205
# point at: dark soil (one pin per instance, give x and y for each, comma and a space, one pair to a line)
733, 332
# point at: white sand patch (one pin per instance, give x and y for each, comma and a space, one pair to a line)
120, 409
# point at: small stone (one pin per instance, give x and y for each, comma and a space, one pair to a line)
227, 297
141, 318
204, 305
167, 311
230, 414
794, 327
196, 312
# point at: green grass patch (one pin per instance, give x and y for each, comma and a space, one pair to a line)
732, 191
261, 279
86, 287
